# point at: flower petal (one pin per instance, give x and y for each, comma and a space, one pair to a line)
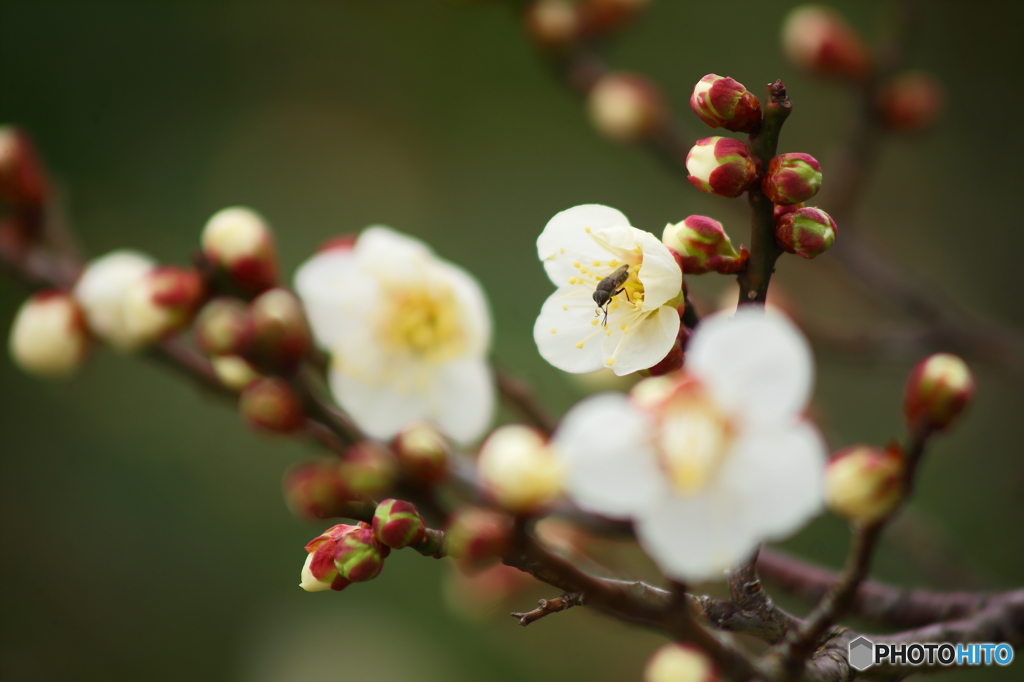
611, 468
463, 401
379, 409
570, 313
659, 272
565, 239
778, 470
475, 314
757, 365
649, 339
327, 285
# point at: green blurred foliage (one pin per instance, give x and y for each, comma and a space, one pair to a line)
143, 531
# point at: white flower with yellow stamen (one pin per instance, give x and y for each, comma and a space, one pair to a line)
581, 247
712, 460
408, 335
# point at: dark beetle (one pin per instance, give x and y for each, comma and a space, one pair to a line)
608, 288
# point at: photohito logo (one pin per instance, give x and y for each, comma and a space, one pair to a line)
864, 653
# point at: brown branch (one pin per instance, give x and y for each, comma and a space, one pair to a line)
518, 397
545, 607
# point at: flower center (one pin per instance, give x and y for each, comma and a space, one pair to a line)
424, 321
693, 440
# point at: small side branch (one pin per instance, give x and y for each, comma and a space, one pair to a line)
545, 607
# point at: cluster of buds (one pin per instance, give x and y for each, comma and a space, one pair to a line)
626, 107
864, 484
703, 246
557, 24
342, 555
519, 470
818, 40
324, 489
805, 231
722, 166
938, 389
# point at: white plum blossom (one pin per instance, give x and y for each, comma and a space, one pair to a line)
408, 335
102, 291
579, 248
712, 460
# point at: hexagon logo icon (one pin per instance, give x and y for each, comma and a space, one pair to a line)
862, 653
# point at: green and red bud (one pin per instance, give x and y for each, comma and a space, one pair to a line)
422, 453
319, 572
910, 101
49, 337
162, 302
791, 179
722, 166
818, 40
271, 404
224, 327
721, 102
280, 333
238, 242
368, 469
679, 663
398, 524
938, 389
807, 232
863, 484
358, 556
703, 246
478, 536
316, 490
626, 107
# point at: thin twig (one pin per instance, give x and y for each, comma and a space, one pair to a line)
518, 396
545, 607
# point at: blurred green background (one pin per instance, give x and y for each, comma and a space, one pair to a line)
142, 532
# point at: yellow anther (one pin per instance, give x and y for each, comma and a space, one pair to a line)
594, 322
613, 263
610, 361
576, 264
579, 344
622, 326
587, 230
554, 331
562, 251
565, 307
572, 280
583, 271
596, 263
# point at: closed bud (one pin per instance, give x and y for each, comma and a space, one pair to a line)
722, 166
703, 246
162, 302
280, 334
781, 210
609, 16
398, 524
239, 242
22, 180
679, 663
864, 484
224, 327
625, 107
478, 536
518, 469
792, 178
807, 232
723, 103
319, 572
315, 490
234, 371
358, 556
368, 469
553, 23
938, 389
48, 337
101, 292
910, 101
422, 453
271, 404
818, 40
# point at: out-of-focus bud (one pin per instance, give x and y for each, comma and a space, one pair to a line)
609, 16
818, 40
679, 663
703, 246
48, 337
625, 107
910, 101
863, 484
721, 102
368, 469
807, 232
270, 404
422, 453
319, 572
358, 556
315, 490
162, 302
101, 292
234, 371
938, 389
238, 240
224, 327
281, 336
481, 595
22, 180
398, 524
792, 178
722, 166
518, 469
553, 23
478, 536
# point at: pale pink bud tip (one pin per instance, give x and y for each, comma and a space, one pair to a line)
938, 389
397, 524
162, 302
864, 484
238, 240
818, 40
792, 178
48, 337
722, 166
625, 107
679, 663
723, 103
807, 232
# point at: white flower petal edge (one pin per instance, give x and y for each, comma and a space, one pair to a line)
408, 334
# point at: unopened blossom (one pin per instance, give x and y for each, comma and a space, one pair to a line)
101, 292
938, 389
408, 335
722, 102
519, 470
161, 302
808, 232
583, 246
625, 106
863, 483
792, 178
722, 166
910, 101
48, 336
711, 461
238, 241
703, 246
679, 663
818, 39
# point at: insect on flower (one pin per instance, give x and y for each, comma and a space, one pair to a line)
608, 288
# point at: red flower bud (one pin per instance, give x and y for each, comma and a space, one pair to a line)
422, 453
938, 389
807, 232
478, 536
398, 524
22, 179
358, 556
271, 404
224, 327
792, 178
281, 337
722, 166
368, 469
703, 246
818, 40
910, 101
723, 103
316, 490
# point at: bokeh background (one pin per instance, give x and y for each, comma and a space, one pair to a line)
142, 532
